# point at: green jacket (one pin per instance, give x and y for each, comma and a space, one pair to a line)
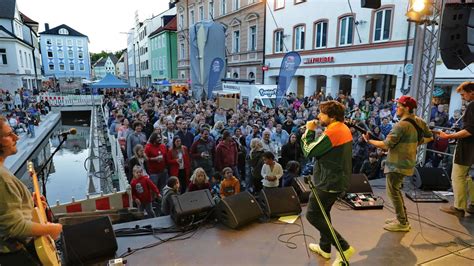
333, 153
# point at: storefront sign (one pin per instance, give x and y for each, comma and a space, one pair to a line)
317, 60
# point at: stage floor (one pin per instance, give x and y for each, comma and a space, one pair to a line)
258, 244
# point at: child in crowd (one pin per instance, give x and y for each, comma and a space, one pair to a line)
216, 184
142, 191
271, 171
171, 188
292, 171
199, 180
230, 185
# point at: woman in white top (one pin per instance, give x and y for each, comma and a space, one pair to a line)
271, 171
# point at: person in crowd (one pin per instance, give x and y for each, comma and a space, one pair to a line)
216, 132
187, 138
17, 228
169, 132
138, 158
256, 164
113, 129
359, 153
179, 163
463, 156
254, 134
135, 138
226, 153
122, 134
332, 169
199, 180
171, 188
239, 140
220, 115
385, 127
441, 117
202, 152
230, 185
156, 152
291, 151
455, 121
268, 144
31, 122
271, 171
371, 167
280, 136
142, 191
401, 143
292, 171
216, 185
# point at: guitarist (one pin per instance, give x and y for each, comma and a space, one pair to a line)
16, 205
401, 143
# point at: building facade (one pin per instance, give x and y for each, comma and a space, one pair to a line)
163, 51
104, 66
355, 53
121, 70
65, 54
244, 21
19, 53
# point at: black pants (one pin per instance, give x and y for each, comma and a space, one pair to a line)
182, 180
316, 218
22, 257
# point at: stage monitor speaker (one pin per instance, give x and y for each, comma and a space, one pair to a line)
359, 183
301, 186
191, 206
428, 178
374, 4
89, 242
279, 201
238, 210
457, 35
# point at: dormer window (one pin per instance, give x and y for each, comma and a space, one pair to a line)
63, 31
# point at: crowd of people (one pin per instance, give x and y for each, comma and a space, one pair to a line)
22, 110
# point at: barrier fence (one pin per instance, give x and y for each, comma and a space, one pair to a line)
70, 100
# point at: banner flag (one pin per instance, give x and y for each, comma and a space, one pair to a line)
214, 74
290, 63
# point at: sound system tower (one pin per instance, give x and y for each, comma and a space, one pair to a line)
191, 207
428, 178
301, 186
373, 4
89, 242
457, 35
277, 201
238, 210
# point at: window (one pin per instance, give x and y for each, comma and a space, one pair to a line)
70, 54
49, 41
235, 75
60, 54
69, 42
81, 67
181, 50
31, 61
80, 55
71, 67
236, 42
201, 13
51, 66
279, 4
321, 30
50, 54
163, 41
63, 31
346, 25
61, 66
252, 38
21, 58
3, 56
59, 42
223, 7
251, 75
299, 1
299, 37
79, 43
382, 25
236, 4
191, 17
26, 60
158, 42
211, 9
278, 39
181, 20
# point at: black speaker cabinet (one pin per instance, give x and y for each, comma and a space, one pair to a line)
89, 242
191, 207
359, 183
374, 4
301, 186
238, 210
428, 178
279, 201
457, 36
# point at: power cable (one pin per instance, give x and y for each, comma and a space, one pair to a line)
355, 24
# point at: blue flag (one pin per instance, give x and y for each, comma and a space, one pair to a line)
290, 63
214, 74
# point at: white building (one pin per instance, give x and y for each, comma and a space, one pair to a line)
357, 53
104, 66
121, 70
20, 64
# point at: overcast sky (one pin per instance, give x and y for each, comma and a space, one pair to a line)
101, 20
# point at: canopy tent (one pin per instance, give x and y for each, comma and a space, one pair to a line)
162, 83
110, 81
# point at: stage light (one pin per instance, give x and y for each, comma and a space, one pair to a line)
418, 10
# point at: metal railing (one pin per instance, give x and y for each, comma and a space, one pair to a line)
70, 100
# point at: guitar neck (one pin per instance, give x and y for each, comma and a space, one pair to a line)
39, 203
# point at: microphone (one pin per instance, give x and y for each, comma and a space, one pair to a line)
71, 131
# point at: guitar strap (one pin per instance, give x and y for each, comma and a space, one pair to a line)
418, 129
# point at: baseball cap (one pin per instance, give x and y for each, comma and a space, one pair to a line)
407, 101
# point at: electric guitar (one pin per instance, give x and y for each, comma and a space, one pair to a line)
354, 124
44, 245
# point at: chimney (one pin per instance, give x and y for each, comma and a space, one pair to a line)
46, 26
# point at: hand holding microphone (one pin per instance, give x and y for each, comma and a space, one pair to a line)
312, 125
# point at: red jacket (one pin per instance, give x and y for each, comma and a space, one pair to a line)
173, 164
226, 155
152, 151
142, 188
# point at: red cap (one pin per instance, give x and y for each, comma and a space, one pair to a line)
407, 101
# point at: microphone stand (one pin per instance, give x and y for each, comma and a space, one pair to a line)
41, 171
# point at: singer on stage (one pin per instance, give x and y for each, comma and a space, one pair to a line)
16, 205
333, 167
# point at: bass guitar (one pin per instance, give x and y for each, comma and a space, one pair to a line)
44, 245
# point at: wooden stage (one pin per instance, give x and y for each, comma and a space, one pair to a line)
258, 244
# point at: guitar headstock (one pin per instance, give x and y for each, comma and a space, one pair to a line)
30, 167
